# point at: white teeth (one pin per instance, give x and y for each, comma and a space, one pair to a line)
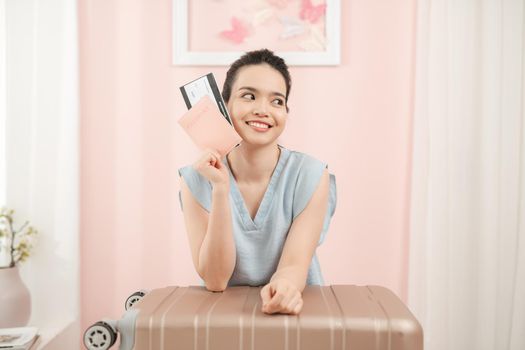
258, 125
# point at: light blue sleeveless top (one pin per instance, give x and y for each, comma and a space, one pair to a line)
259, 242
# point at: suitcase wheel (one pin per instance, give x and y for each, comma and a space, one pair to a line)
99, 336
133, 298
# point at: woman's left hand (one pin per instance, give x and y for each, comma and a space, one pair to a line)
281, 296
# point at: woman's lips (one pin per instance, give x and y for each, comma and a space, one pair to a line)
259, 129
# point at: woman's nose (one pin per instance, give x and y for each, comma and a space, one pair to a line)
260, 109
258, 112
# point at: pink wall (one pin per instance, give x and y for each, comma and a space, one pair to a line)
358, 115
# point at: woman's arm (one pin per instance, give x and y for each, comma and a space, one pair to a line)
210, 236
297, 254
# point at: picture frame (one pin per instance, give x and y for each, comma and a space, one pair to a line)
182, 55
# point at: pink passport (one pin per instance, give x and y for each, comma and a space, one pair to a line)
208, 128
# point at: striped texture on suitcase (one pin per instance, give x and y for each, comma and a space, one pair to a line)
333, 317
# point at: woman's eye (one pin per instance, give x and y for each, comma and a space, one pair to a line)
251, 96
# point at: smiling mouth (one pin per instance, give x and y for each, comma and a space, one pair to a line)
259, 125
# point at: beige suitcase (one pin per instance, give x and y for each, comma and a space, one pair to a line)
192, 318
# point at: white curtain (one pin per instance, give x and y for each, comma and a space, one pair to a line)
467, 241
42, 151
3, 104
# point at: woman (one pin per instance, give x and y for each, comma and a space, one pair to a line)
256, 216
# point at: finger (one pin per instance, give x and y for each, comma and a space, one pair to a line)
290, 306
217, 160
266, 295
277, 298
209, 153
213, 152
207, 158
298, 307
213, 157
290, 296
217, 155
219, 164
271, 293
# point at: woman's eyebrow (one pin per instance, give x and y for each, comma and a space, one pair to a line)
255, 90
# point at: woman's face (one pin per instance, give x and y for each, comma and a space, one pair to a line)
257, 104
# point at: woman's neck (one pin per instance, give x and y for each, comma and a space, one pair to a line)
250, 164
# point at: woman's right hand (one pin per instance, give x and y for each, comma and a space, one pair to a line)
210, 166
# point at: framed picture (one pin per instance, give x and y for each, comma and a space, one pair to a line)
217, 32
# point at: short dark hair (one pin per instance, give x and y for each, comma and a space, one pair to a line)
254, 58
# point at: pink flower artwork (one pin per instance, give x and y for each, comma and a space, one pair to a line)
238, 33
292, 27
311, 13
236, 26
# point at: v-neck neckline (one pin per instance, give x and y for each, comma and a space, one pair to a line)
255, 224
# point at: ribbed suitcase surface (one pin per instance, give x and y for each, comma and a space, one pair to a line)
333, 317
